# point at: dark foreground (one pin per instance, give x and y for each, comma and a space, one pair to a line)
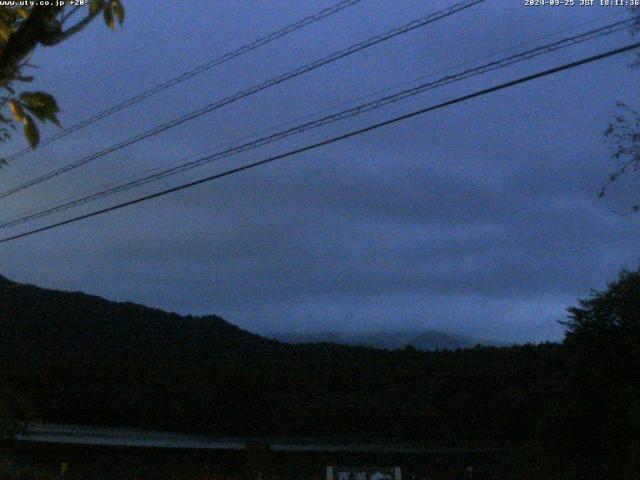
91, 462
100, 462
563, 411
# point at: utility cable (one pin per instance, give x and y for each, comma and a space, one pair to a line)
338, 138
348, 113
192, 73
421, 22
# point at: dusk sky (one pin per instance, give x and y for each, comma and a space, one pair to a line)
480, 219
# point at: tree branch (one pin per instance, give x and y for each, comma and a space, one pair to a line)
76, 28
37, 28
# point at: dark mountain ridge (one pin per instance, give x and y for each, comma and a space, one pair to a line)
34, 319
77, 358
425, 340
80, 359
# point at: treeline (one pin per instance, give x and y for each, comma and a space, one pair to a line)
80, 359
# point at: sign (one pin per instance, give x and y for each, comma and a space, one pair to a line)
363, 473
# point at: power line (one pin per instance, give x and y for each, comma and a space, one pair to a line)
149, 171
348, 113
338, 138
35, 213
421, 22
192, 73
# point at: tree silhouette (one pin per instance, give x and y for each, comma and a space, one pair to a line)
602, 347
22, 29
624, 132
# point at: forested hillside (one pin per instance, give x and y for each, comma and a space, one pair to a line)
82, 359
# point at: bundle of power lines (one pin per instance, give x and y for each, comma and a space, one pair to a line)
309, 122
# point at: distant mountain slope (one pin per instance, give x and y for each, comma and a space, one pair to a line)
428, 340
73, 324
80, 359
76, 324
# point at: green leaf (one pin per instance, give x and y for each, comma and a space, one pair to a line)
31, 131
39, 100
16, 110
42, 105
51, 117
95, 6
108, 18
118, 10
